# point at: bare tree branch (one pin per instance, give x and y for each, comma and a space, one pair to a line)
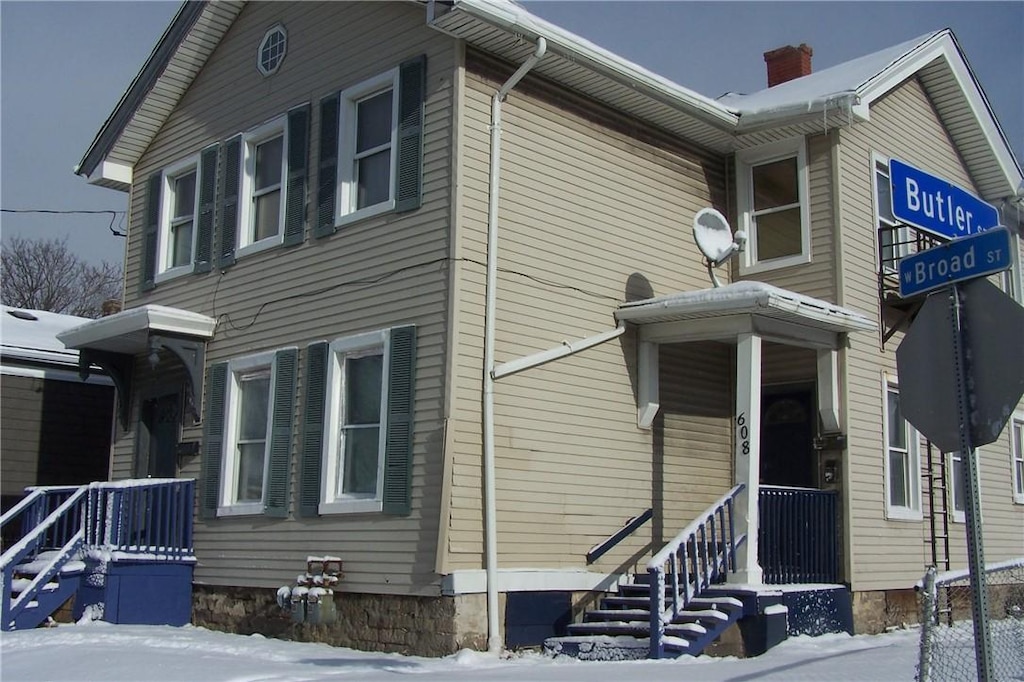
46, 275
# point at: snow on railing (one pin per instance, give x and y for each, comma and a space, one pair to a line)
141, 519
699, 555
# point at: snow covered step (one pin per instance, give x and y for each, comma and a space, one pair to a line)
626, 602
617, 614
717, 602
611, 627
19, 585
598, 647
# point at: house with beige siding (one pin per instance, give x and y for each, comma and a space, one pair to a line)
422, 277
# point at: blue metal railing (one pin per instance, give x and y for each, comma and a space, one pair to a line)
628, 528
153, 516
700, 555
150, 518
798, 536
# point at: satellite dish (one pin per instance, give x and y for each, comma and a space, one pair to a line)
715, 239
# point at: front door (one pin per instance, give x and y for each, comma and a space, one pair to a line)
798, 533
159, 432
787, 438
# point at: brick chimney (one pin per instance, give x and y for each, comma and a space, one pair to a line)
110, 307
787, 63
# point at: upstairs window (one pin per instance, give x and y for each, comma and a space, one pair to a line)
371, 148
179, 219
265, 154
772, 183
369, 112
178, 223
893, 238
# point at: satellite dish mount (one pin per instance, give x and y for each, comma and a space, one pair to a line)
715, 240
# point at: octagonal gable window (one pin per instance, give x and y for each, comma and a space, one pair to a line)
272, 50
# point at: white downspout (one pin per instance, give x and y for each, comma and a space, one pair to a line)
494, 643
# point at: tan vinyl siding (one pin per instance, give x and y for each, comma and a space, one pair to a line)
380, 272
589, 217
787, 364
893, 554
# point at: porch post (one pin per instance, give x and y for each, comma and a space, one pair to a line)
747, 458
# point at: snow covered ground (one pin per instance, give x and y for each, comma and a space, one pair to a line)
131, 653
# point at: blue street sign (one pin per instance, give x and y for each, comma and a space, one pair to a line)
981, 254
936, 205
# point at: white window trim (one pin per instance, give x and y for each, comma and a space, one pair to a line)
229, 464
163, 250
959, 516
1013, 279
902, 232
892, 512
339, 348
1015, 447
346, 196
745, 161
250, 140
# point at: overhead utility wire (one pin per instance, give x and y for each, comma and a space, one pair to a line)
50, 211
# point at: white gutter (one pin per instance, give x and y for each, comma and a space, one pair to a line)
519, 22
490, 504
567, 348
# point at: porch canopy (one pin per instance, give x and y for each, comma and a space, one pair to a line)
745, 314
112, 342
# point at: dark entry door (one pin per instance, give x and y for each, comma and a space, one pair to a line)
798, 534
787, 438
158, 437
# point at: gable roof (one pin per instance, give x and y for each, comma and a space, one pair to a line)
937, 60
829, 98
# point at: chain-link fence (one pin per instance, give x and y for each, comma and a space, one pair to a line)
947, 626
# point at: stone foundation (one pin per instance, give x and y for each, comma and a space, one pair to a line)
874, 612
422, 626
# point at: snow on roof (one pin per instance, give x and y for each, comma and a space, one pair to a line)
822, 86
744, 297
514, 14
32, 335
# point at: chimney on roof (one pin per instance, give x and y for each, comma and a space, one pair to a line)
787, 63
110, 307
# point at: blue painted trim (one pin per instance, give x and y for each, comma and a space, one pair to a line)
631, 526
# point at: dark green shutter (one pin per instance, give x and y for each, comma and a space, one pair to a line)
229, 209
207, 204
313, 429
213, 438
283, 414
151, 234
295, 194
327, 170
409, 176
398, 444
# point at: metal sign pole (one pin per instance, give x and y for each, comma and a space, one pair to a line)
975, 553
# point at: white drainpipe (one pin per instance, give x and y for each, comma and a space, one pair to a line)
490, 506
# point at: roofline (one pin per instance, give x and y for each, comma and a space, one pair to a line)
941, 45
575, 48
159, 58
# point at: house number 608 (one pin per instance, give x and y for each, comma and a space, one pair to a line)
744, 431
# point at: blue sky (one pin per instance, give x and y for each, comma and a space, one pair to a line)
63, 67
